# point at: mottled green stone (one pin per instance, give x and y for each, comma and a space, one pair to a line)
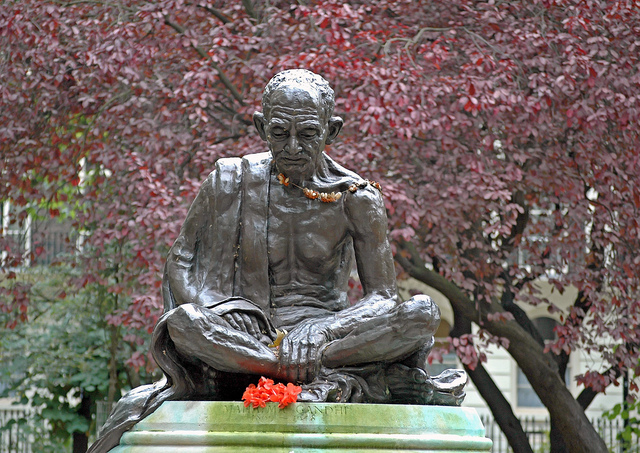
218, 426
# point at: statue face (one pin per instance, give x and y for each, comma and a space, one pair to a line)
296, 131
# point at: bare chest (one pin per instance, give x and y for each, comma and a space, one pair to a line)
303, 233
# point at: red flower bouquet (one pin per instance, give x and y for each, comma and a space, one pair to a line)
267, 391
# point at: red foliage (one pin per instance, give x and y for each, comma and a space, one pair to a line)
267, 391
504, 133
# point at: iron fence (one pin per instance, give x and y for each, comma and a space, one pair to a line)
14, 438
103, 409
538, 429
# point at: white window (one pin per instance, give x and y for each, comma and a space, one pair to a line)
38, 241
526, 396
17, 235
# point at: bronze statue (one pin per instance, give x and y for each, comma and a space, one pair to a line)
267, 249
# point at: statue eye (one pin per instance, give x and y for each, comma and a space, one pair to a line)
279, 133
309, 133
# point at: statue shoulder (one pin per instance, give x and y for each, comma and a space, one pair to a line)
341, 178
257, 158
362, 198
364, 202
228, 166
234, 165
227, 173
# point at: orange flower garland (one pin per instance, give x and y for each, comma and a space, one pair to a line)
267, 391
326, 197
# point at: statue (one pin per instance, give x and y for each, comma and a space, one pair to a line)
266, 250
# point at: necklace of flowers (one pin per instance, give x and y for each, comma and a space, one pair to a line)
324, 196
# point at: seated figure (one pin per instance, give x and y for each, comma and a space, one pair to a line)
266, 250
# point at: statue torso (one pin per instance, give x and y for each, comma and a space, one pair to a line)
308, 244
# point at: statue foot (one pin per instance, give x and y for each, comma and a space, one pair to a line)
319, 391
449, 387
408, 385
412, 385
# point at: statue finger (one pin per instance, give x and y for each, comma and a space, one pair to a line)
262, 325
238, 320
302, 361
285, 355
289, 358
241, 321
232, 322
250, 325
285, 347
257, 327
312, 361
264, 338
290, 369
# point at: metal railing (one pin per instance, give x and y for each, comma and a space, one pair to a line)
14, 438
102, 413
538, 429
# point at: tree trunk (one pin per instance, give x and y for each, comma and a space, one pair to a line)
81, 439
113, 370
542, 372
133, 376
556, 441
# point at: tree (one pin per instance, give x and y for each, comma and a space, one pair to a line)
497, 129
58, 360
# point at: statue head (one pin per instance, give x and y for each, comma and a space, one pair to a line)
303, 79
297, 121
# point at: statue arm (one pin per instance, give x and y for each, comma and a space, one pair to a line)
182, 262
367, 215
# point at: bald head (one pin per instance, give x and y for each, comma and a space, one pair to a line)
304, 80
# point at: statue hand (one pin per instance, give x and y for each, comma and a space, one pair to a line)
300, 351
248, 324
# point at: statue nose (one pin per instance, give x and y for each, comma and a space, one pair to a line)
292, 146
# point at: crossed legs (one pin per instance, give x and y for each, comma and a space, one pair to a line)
391, 337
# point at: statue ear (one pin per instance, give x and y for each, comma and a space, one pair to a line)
261, 124
335, 125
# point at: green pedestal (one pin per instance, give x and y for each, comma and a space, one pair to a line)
217, 426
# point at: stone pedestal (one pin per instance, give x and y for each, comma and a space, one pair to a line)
218, 426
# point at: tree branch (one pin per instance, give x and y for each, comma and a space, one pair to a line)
587, 395
248, 6
521, 221
521, 317
416, 268
221, 17
501, 409
223, 77
498, 404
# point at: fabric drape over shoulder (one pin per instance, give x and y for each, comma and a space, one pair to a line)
221, 251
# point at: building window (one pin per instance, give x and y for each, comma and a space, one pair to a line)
37, 241
526, 396
50, 239
449, 361
16, 234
